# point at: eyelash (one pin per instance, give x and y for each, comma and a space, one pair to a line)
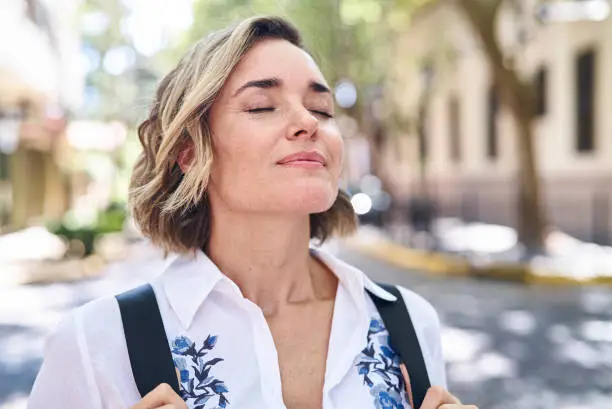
270, 109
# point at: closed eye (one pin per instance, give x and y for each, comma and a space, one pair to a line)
322, 113
270, 109
260, 110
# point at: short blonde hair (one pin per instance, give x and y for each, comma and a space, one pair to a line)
169, 206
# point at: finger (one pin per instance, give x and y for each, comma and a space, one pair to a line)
437, 396
169, 397
458, 402
457, 406
178, 375
408, 384
162, 395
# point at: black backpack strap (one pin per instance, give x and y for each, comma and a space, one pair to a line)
146, 340
404, 340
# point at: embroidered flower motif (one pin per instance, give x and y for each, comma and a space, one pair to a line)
376, 326
180, 345
386, 399
378, 364
181, 365
197, 386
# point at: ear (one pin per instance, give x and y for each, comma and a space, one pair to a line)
186, 155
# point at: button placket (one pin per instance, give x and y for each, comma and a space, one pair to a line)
349, 328
267, 357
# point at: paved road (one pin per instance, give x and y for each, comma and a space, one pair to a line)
508, 346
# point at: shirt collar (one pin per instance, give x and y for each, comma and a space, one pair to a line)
189, 279
352, 278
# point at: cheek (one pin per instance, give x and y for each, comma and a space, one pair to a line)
240, 154
233, 164
335, 145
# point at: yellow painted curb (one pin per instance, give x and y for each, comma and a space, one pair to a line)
448, 265
552, 279
405, 257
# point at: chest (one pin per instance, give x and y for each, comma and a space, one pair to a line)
301, 341
303, 362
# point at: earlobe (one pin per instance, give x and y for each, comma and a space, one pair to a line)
185, 156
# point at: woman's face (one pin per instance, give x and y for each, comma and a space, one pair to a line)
277, 148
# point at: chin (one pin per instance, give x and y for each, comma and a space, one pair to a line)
307, 201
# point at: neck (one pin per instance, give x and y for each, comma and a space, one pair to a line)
268, 257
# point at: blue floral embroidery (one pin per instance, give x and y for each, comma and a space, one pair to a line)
378, 364
194, 368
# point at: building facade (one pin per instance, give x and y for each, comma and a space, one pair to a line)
40, 84
471, 156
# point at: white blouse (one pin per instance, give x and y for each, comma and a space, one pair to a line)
86, 363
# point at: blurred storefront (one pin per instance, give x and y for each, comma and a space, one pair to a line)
469, 136
100, 155
40, 85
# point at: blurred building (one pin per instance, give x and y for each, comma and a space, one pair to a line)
468, 137
40, 84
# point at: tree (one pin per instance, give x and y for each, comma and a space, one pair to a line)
518, 94
344, 35
120, 80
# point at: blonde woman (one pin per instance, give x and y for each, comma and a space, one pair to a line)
239, 172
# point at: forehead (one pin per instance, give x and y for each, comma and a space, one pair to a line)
275, 59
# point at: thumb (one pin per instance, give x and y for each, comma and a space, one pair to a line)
436, 396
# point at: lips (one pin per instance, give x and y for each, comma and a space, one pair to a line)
303, 157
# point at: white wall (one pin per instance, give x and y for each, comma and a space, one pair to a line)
571, 179
555, 46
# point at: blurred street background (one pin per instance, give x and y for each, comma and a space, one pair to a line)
478, 156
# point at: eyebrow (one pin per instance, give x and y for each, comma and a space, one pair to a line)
318, 87
268, 83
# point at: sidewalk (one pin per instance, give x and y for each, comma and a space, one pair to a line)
47, 271
572, 268
20, 265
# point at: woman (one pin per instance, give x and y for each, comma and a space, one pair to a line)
239, 172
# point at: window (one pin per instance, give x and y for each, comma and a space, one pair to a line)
4, 166
454, 131
422, 132
540, 84
492, 109
585, 101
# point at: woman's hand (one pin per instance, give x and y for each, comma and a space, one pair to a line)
439, 398
162, 397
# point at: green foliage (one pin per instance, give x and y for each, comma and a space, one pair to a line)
110, 220
211, 15
116, 97
348, 38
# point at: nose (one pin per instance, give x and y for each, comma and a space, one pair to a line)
303, 124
